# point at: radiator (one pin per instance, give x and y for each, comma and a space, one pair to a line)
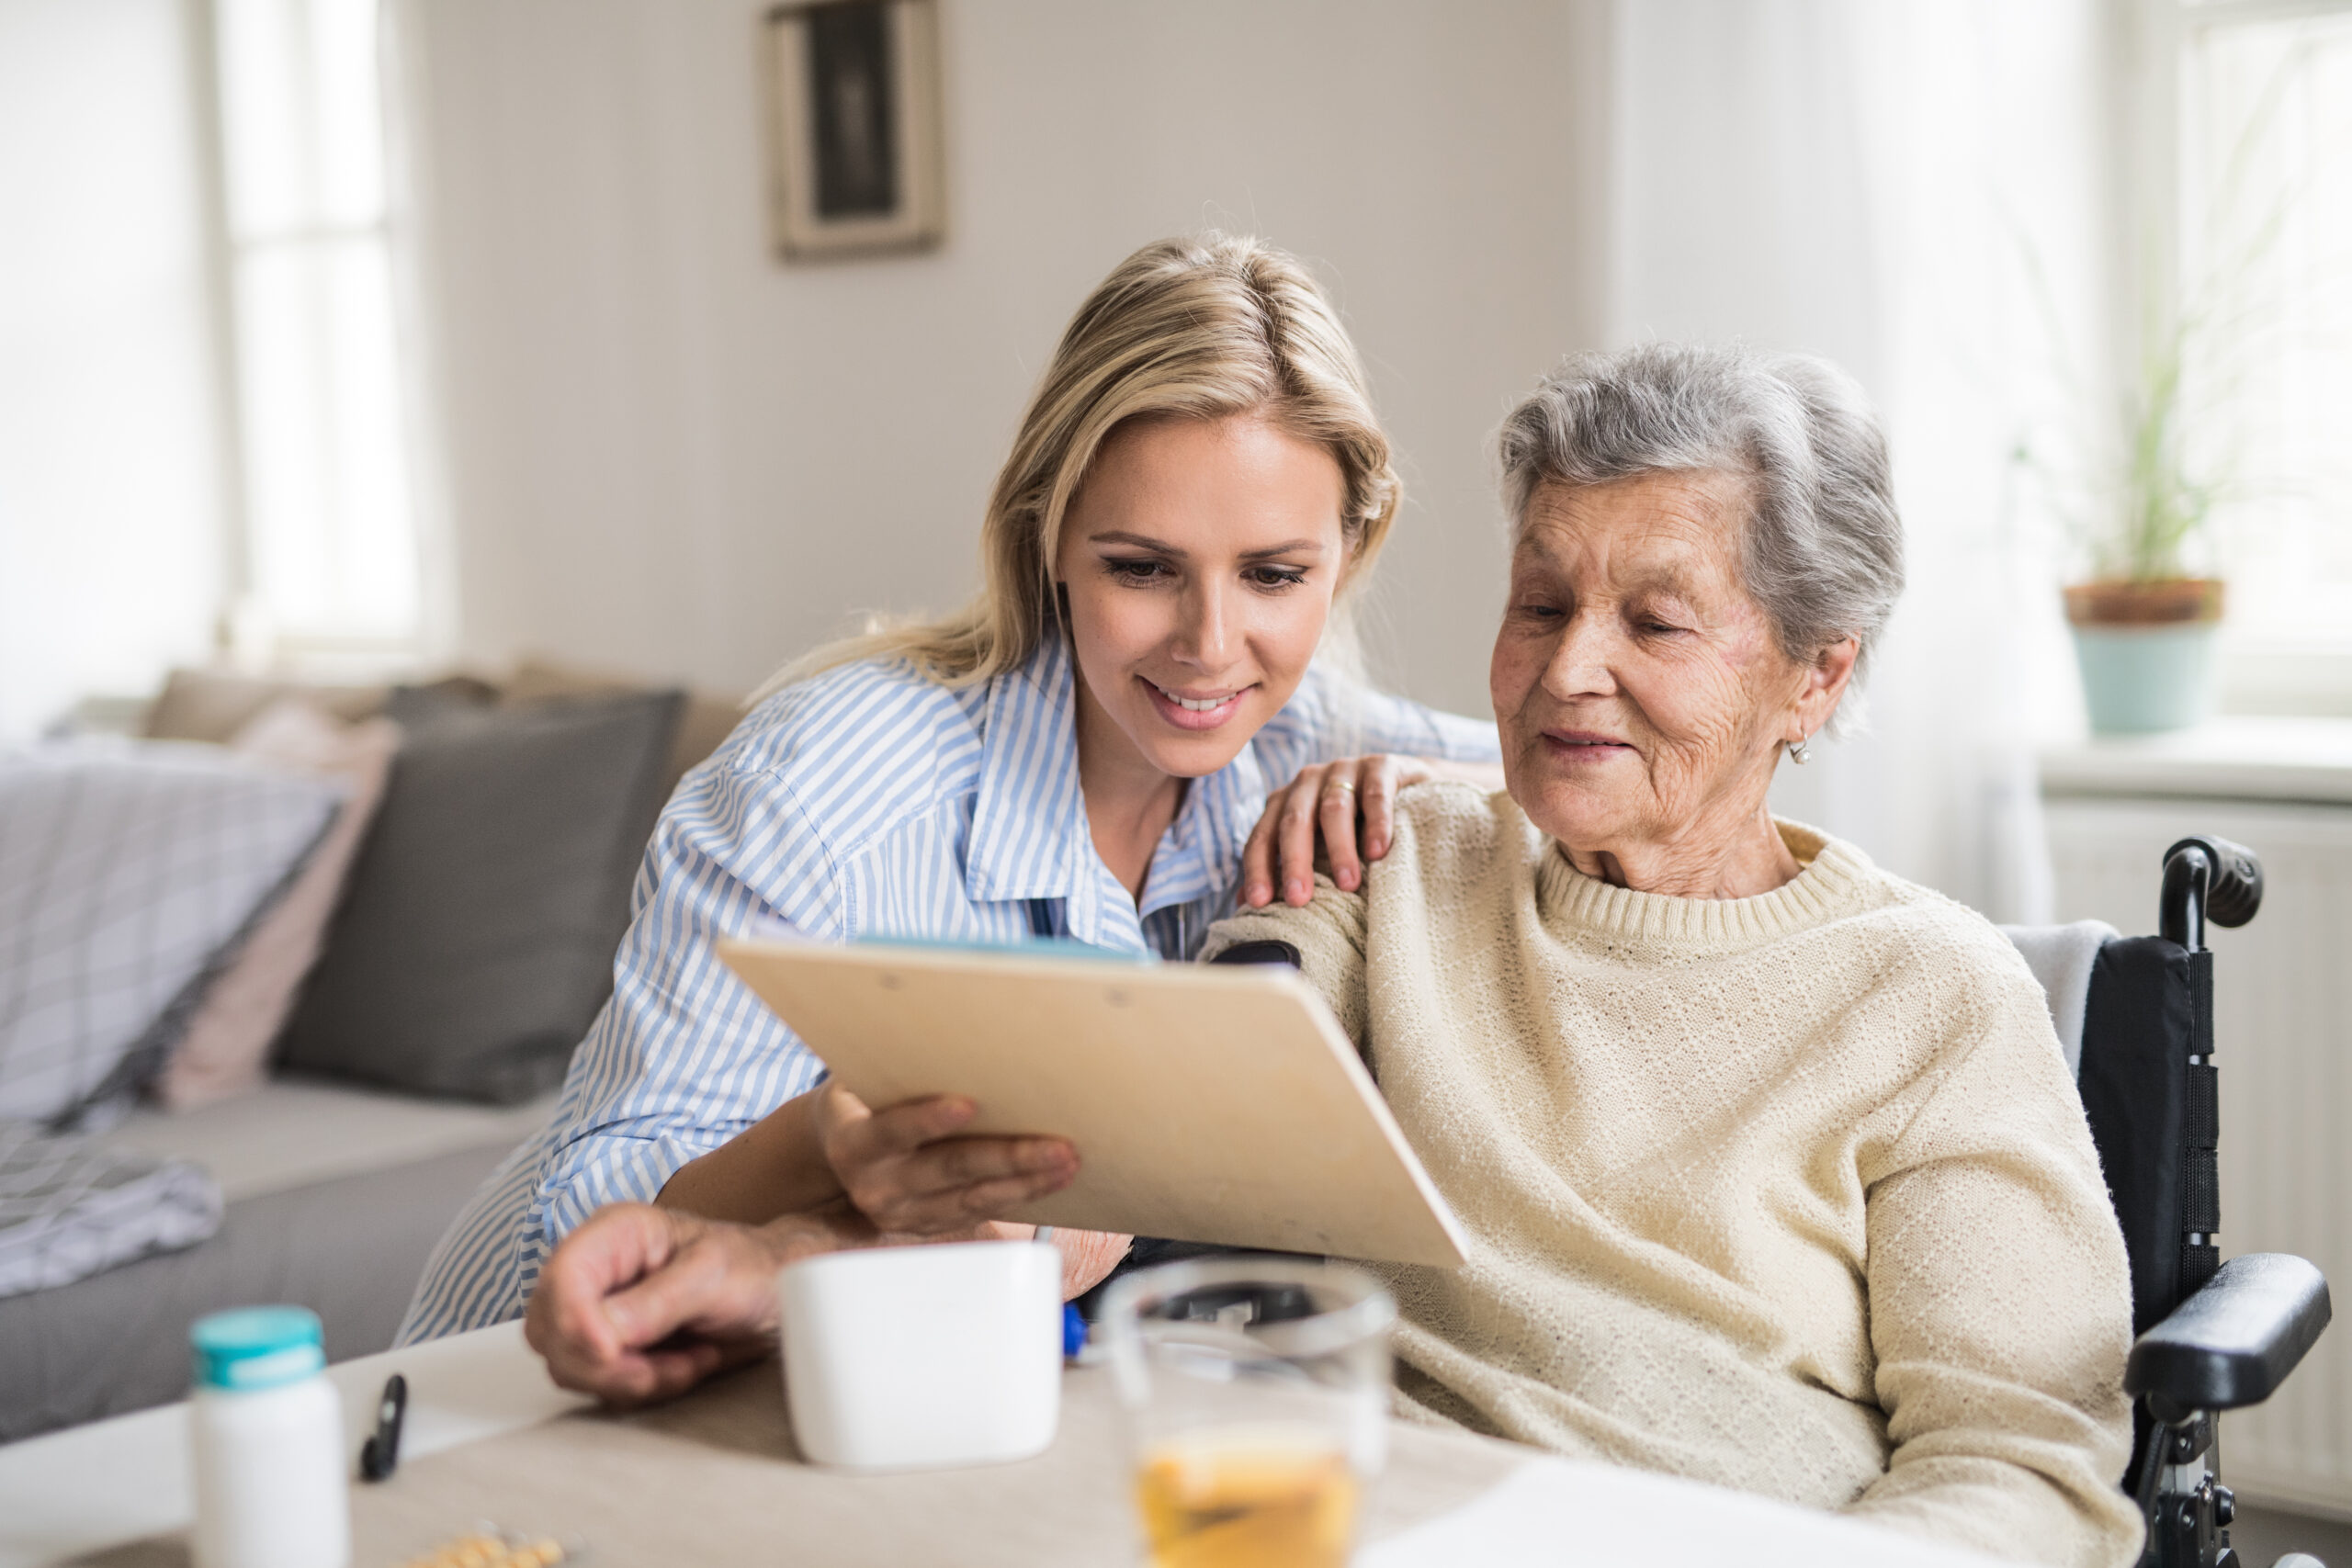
2283, 1022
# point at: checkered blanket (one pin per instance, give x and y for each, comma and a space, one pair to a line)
70, 1208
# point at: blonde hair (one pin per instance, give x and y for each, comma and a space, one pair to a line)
1187, 329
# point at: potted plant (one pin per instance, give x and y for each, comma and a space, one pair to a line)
2145, 626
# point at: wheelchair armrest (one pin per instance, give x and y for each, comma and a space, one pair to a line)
2233, 1343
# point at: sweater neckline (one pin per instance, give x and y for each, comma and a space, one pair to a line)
1832, 872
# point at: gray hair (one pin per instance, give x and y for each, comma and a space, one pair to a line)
1823, 549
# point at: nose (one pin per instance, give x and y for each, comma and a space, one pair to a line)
1581, 665
1205, 640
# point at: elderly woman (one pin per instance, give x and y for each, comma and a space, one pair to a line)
1774, 1172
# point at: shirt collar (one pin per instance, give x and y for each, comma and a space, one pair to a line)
1029, 820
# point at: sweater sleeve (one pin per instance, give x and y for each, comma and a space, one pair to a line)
1329, 935
2000, 1306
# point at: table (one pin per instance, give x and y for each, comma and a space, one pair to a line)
714, 1479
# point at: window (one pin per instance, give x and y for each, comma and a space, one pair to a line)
112, 503
331, 562
2265, 272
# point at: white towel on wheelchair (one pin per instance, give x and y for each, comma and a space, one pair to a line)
71, 1207
2060, 958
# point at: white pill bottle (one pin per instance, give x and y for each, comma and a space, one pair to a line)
266, 1432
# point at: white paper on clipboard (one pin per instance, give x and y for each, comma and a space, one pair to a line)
1208, 1102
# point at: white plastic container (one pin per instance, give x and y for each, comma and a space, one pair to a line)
266, 1432
917, 1358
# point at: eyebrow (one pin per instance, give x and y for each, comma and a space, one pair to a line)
1145, 541
1669, 581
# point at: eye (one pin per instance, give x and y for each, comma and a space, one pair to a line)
1137, 568
1657, 620
1275, 576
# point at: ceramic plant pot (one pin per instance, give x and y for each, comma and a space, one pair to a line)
2146, 651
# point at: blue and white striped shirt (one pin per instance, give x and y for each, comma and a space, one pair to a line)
867, 801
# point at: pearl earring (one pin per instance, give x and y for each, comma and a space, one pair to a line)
1800, 750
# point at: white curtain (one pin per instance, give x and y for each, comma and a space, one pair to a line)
1914, 190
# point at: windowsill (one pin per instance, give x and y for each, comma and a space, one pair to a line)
2235, 757
2309, 678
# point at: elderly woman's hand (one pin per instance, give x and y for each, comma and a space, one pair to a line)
1350, 803
641, 1303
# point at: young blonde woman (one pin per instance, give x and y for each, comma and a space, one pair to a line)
1125, 736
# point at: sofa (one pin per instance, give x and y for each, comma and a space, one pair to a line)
459, 950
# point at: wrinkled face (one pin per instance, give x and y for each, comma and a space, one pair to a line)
1200, 559
1639, 690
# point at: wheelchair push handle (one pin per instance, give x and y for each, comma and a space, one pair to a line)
2207, 879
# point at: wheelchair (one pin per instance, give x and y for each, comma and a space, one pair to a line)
2211, 1337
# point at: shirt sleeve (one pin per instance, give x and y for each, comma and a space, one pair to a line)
684, 1055
2000, 1309
1332, 715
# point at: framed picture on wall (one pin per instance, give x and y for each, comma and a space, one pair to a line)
853, 128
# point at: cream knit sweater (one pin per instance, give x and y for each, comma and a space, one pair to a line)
1789, 1193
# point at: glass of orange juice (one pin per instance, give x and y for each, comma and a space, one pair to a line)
1257, 1393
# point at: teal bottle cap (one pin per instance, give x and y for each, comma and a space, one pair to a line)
256, 1348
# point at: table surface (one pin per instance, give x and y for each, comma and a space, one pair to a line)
713, 1478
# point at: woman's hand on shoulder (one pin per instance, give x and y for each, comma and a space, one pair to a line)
1351, 805
1348, 804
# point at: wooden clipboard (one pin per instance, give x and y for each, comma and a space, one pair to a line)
1211, 1103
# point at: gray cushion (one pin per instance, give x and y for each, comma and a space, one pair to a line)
475, 942
128, 871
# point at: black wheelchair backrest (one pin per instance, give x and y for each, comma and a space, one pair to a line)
2147, 1076
2148, 1089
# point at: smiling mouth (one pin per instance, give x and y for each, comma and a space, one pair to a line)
1196, 704
1187, 711
1584, 742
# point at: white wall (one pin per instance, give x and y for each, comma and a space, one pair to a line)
668, 451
